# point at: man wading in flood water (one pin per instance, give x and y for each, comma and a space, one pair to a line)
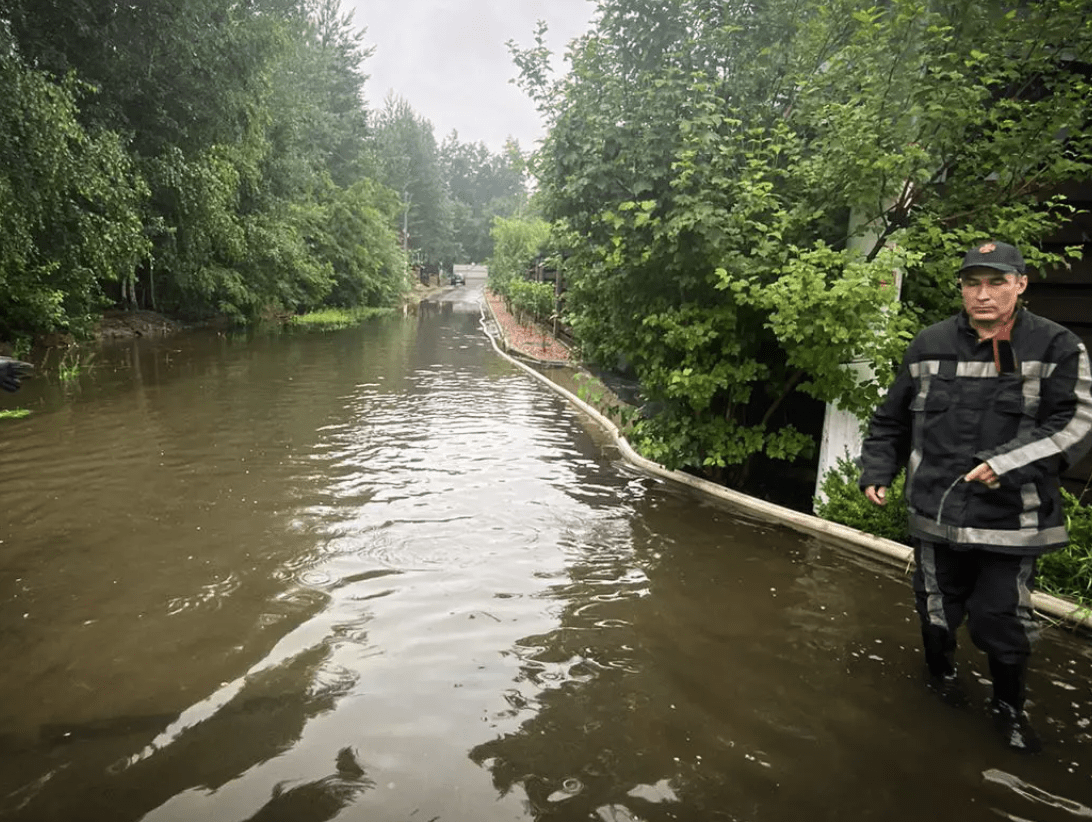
988, 409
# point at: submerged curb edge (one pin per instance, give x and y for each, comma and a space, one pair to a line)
893, 553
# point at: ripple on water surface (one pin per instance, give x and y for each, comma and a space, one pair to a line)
382, 574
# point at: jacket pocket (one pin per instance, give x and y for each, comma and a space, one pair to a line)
1003, 419
935, 394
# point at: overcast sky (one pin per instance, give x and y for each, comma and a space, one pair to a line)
448, 60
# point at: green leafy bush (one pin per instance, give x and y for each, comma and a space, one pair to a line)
845, 503
1068, 572
516, 242
530, 298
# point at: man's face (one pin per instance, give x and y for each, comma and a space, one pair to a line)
990, 295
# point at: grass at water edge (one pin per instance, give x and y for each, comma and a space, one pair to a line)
332, 319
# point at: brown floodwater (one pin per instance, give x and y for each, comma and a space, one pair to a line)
383, 574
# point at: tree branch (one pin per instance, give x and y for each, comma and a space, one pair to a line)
789, 385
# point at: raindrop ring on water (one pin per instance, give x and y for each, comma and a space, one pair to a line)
572, 785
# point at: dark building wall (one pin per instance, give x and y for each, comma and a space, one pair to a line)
1064, 294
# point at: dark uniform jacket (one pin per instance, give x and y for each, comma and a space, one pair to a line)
951, 409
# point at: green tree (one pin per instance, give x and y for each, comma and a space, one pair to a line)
322, 166
368, 267
482, 186
408, 161
187, 84
333, 87
517, 242
69, 206
246, 124
707, 163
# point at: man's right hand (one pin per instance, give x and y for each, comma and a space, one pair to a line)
877, 496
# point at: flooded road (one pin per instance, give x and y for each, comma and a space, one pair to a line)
383, 574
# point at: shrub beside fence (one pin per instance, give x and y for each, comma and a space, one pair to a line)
524, 298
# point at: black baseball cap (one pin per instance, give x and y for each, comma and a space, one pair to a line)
997, 255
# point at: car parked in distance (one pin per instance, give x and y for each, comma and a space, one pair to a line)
457, 278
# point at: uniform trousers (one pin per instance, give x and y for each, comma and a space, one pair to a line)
990, 589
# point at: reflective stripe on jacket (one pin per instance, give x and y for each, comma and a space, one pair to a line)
950, 409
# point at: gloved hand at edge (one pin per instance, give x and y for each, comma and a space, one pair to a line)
12, 372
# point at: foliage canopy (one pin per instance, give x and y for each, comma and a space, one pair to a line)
213, 158
740, 185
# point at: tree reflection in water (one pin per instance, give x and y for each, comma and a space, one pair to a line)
687, 675
320, 800
603, 738
206, 749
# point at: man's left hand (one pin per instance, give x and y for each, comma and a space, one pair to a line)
984, 474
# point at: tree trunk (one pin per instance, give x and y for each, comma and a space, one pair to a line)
151, 282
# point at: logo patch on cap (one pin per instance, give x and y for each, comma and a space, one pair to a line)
987, 248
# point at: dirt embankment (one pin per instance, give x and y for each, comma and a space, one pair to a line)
123, 324
114, 325
118, 324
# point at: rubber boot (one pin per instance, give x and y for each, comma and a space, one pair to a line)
939, 647
1008, 707
941, 676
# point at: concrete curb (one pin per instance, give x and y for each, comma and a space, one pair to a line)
893, 553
